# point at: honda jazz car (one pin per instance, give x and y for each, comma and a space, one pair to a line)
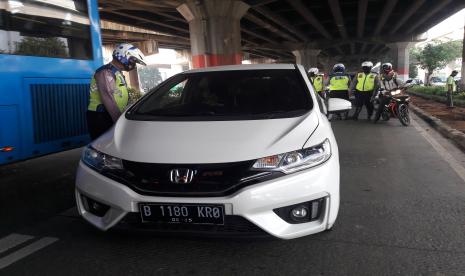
220, 148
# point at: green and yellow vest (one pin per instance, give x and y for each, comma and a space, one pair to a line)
317, 83
120, 94
365, 82
339, 82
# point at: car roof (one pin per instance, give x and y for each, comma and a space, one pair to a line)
244, 67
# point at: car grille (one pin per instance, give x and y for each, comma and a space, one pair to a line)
233, 225
208, 180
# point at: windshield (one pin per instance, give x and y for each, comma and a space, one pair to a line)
245, 94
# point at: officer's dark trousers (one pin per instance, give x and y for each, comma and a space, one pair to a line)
361, 99
98, 123
450, 101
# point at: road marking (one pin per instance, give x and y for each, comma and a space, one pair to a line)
26, 251
455, 165
13, 240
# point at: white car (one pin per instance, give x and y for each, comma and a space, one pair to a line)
231, 147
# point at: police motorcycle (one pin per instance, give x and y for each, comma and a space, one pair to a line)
396, 105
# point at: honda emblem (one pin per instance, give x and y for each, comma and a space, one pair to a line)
181, 176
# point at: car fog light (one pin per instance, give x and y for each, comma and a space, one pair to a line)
299, 212
94, 207
302, 212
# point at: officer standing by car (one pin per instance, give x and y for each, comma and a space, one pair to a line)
388, 81
451, 88
364, 83
109, 96
317, 81
339, 84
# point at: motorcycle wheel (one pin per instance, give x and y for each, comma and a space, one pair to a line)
385, 116
404, 116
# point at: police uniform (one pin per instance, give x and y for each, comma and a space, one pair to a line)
450, 81
317, 82
339, 86
107, 100
365, 85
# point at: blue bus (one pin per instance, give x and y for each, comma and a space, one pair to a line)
49, 50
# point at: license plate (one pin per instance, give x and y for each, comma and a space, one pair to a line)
182, 213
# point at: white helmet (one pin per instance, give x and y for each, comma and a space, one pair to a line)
367, 64
313, 70
128, 55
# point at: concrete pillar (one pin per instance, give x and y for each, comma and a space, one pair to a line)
215, 31
328, 63
307, 57
400, 54
132, 78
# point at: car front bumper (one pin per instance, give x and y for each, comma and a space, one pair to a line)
254, 203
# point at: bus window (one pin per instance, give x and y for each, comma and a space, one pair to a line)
48, 28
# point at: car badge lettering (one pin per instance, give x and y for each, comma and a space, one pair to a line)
181, 176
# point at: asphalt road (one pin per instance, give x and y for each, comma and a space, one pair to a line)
402, 213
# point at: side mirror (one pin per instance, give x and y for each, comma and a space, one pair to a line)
336, 105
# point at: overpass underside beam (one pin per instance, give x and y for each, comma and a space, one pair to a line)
215, 31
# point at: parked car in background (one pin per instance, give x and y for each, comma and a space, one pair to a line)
437, 81
414, 82
218, 148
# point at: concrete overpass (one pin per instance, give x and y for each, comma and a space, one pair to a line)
313, 33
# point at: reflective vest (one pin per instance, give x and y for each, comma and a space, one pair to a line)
450, 81
120, 94
365, 82
317, 83
339, 82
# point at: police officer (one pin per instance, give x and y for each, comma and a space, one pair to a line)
339, 84
364, 83
451, 87
316, 80
109, 91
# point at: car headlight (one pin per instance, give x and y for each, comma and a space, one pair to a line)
295, 160
100, 161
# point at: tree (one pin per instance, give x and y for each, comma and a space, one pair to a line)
149, 77
437, 55
412, 71
37, 46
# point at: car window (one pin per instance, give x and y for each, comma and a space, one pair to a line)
245, 94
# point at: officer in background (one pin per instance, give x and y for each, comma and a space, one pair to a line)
108, 89
339, 84
451, 88
364, 83
317, 81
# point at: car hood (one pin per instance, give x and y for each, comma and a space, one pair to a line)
205, 141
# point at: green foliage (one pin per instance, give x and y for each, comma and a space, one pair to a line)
149, 77
429, 90
437, 94
437, 55
37, 46
412, 71
134, 95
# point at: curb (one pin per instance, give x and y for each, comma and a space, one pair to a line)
455, 135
